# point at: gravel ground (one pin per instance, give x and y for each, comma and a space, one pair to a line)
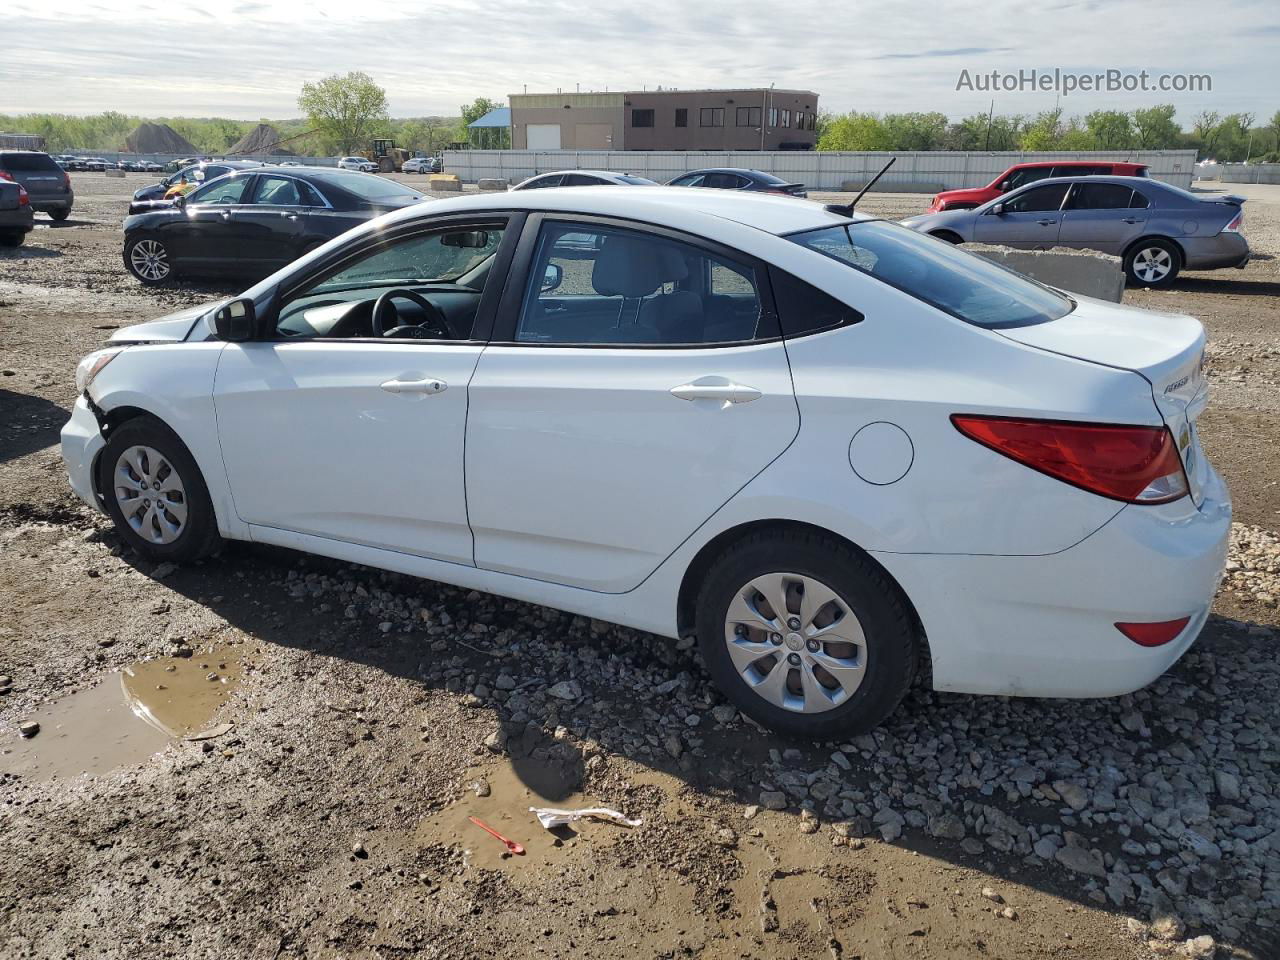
373, 713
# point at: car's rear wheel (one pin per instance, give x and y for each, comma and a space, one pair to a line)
61, 213
155, 494
1152, 263
147, 258
11, 239
806, 635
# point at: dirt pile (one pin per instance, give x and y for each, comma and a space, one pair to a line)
158, 138
262, 139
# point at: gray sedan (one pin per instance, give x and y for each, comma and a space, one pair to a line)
1158, 229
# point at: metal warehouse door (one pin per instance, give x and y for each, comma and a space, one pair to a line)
543, 136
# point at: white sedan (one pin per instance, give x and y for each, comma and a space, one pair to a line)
831, 448
357, 163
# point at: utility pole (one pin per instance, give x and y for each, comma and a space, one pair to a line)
990, 114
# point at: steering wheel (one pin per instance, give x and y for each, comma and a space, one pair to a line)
436, 320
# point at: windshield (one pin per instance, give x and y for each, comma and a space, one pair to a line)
964, 285
367, 187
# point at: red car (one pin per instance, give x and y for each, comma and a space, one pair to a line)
1021, 174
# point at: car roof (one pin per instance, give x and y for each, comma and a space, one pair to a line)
746, 170
666, 206
1098, 178
1080, 163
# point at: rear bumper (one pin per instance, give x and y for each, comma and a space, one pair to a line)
81, 443
1216, 253
1045, 626
47, 204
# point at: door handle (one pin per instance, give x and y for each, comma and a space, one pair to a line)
1046, 223
225, 214
428, 386
716, 388
1132, 220
288, 216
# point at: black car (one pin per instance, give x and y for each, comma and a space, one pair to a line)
250, 223
47, 184
739, 178
190, 173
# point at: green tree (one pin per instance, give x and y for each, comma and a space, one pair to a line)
1111, 129
1044, 132
346, 111
856, 131
1155, 129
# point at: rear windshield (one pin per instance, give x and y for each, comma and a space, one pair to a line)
962, 284
638, 181
767, 177
27, 161
365, 186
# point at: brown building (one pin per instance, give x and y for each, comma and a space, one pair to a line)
751, 119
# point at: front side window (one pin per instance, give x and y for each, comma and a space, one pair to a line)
1100, 196
711, 117
642, 118
1037, 199
446, 267
594, 285
226, 190
962, 284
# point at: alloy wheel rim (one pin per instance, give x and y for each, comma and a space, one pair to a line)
149, 259
795, 642
150, 494
1152, 264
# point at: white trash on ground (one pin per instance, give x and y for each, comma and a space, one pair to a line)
551, 818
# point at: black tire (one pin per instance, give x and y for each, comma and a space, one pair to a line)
891, 649
198, 537
948, 236
136, 267
1143, 261
60, 214
11, 239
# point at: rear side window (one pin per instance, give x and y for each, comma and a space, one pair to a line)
962, 284
28, 162
582, 180
1138, 201
1100, 196
804, 309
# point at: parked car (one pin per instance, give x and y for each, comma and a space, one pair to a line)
69, 162
48, 185
15, 213
1158, 229
148, 166
735, 178
583, 178
357, 163
95, 163
421, 165
790, 432
1021, 174
187, 178
251, 222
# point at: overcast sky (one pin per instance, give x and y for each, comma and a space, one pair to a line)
247, 60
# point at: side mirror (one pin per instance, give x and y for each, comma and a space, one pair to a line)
180, 200
1004, 186
998, 209
235, 322
553, 277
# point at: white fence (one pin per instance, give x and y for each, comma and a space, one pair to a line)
1250, 173
819, 170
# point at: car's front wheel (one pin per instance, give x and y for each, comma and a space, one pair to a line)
806, 635
1152, 263
155, 493
147, 258
948, 236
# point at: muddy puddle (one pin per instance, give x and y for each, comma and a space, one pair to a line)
126, 717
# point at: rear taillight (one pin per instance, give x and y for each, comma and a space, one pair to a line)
66, 181
1153, 634
6, 176
24, 198
1133, 464
1236, 224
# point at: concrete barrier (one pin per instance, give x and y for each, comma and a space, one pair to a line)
1085, 272
444, 181
493, 183
853, 186
114, 172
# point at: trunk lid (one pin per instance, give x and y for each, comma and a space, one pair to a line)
1165, 349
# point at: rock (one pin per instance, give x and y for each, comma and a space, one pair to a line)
946, 826
1167, 927
481, 788
1228, 785
1045, 847
1132, 721
750, 810
493, 742
673, 746
1075, 796
1199, 947
808, 821
841, 761
163, 570
358, 851
726, 838
971, 845
1080, 860
107, 642
1137, 928
504, 682
773, 800
725, 713
1009, 913
28, 728
991, 895
565, 690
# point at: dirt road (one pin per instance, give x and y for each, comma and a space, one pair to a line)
370, 715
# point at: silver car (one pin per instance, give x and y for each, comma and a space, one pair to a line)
1157, 229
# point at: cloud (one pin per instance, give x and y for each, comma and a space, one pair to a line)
249, 61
